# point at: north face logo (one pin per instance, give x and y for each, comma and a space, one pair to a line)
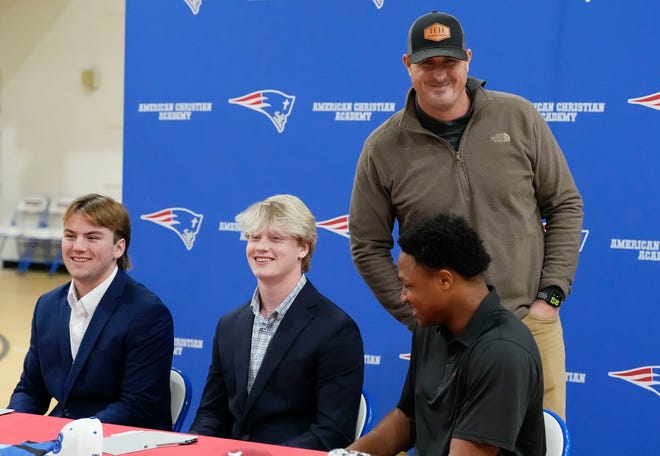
500, 138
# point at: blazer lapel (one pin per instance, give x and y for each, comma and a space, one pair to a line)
296, 318
242, 344
104, 311
63, 316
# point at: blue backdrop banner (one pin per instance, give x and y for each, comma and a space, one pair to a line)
229, 102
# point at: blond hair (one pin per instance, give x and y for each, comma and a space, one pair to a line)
284, 214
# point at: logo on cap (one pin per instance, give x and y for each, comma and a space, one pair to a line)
437, 32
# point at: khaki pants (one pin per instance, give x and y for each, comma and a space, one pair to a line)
549, 338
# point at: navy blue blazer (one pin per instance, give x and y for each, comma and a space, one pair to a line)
121, 372
307, 391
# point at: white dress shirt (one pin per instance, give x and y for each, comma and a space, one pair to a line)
83, 309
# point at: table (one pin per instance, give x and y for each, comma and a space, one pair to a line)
19, 427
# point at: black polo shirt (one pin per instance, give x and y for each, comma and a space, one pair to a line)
485, 386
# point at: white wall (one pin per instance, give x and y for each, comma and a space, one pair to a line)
56, 135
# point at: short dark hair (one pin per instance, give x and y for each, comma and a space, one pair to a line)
446, 241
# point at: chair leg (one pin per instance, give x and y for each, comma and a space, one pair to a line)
25, 259
55, 264
3, 241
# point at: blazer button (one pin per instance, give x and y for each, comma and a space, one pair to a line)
66, 412
246, 437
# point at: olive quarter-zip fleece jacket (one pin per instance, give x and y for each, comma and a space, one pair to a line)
507, 175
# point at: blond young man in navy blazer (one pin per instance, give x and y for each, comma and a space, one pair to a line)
287, 366
102, 344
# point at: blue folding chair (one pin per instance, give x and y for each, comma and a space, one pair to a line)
180, 392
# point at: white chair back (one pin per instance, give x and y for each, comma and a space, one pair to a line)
180, 392
557, 439
365, 416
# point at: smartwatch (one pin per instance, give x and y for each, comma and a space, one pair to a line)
552, 295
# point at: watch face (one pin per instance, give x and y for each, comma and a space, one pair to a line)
554, 300
551, 297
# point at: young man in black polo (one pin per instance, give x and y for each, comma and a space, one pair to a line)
475, 384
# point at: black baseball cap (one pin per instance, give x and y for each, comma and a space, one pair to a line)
436, 35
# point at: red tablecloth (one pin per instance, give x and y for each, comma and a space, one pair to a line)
19, 427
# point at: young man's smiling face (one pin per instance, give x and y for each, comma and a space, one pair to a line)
274, 256
423, 290
89, 252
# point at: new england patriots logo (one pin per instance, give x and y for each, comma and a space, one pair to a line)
184, 222
338, 225
650, 101
647, 377
194, 5
273, 104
